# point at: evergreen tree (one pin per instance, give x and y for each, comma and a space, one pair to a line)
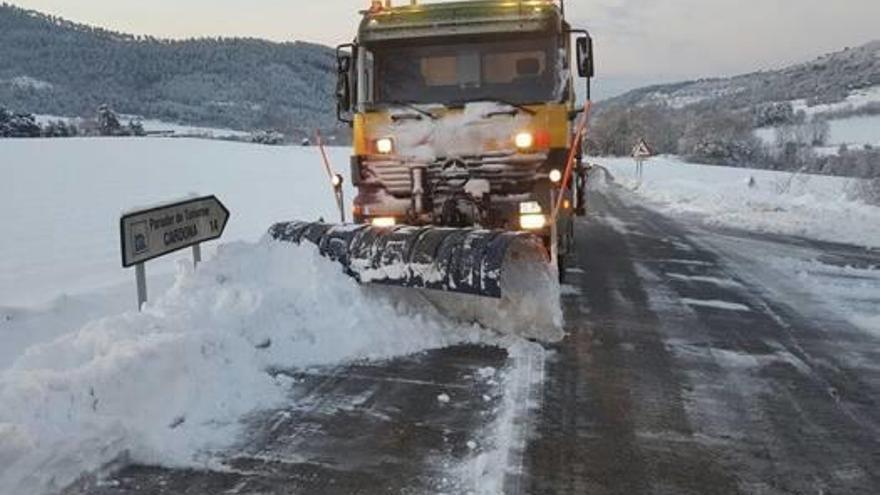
108, 122
22, 125
5, 127
136, 128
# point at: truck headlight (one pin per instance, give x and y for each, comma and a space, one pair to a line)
384, 222
555, 176
384, 146
524, 140
532, 222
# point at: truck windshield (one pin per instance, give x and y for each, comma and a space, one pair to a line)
518, 71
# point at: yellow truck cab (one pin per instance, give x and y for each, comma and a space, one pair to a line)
463, 114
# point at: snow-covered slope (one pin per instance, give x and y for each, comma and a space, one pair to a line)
835, 81
819, 207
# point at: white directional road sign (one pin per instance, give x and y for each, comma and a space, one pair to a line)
155, 232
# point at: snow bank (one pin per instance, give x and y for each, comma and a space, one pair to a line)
812, 206
852, 292
168, 385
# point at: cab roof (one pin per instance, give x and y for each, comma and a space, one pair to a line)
460, 18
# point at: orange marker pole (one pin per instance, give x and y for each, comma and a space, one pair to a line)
580, 132
336, 186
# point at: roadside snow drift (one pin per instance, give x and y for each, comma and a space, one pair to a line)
169, 385
812, 206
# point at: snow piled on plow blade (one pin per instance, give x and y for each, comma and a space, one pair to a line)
500, 280
529, 306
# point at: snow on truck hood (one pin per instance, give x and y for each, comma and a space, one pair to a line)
168, 385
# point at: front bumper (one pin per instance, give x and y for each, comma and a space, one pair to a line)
416, 192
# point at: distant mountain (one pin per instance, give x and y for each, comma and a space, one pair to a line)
52, 66
717, 120
828, 79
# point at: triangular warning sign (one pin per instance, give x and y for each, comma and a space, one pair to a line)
642, 150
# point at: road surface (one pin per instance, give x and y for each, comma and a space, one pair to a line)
691, 367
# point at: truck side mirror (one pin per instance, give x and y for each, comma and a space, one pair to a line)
343, 93
344, 74
343, 62
585, 61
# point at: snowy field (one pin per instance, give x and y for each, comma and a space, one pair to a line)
853, 132
812, 206
84, 378
62, 202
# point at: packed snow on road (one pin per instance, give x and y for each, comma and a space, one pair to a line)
834, 210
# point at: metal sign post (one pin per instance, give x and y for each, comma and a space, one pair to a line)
641, 152
197, 255
154, 232
141, 280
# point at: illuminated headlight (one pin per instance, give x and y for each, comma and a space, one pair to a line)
384, 222
385, 146
555, 176
532, 222
530, 208
524, 140
336, 180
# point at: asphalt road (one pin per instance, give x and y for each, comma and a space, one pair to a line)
690, 368
684, 372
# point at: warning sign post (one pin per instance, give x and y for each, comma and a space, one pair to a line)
641, 152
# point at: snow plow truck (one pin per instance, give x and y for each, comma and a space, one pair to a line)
466, 138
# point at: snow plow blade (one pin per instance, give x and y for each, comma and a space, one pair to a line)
463, 261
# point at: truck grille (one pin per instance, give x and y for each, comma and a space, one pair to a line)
506, 173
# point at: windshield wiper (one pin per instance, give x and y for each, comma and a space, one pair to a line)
520, 108
411, 106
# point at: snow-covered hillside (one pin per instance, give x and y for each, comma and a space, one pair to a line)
842, 80
818, 207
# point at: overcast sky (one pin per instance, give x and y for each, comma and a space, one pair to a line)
636, 39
